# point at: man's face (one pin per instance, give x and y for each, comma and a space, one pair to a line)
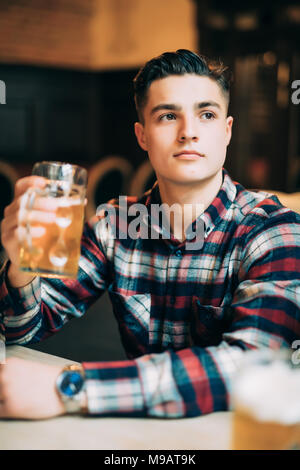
186, 129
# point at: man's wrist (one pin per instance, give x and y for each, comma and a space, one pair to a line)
16, 278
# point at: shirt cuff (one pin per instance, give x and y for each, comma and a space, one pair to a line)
17, 300
141, 387
113, 388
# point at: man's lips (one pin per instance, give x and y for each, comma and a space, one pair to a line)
189, 154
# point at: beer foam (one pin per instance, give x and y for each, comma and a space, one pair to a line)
58, 261
68, 201
63, 222
269, 392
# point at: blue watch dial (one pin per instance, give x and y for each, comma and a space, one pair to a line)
72, 383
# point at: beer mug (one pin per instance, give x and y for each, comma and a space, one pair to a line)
266, 402
54, 250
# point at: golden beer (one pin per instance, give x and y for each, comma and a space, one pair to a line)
51, 221
266, 404
248, 433
56, 253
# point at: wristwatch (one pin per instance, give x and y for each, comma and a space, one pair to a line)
70, 385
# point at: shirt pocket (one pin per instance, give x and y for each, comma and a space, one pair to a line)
133, 316
208, 323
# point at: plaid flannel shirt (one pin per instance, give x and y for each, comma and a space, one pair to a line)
186, 317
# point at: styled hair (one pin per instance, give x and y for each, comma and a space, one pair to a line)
180, 62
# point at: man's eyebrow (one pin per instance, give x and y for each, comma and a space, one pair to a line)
207, 104
176, 107
169, 106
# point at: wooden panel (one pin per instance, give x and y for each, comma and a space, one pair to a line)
55, 32
93, 34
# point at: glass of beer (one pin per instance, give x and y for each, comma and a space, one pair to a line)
266, 402
51, 248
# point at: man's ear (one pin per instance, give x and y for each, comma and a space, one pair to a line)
229, 122
140, 135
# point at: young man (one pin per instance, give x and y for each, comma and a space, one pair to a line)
187, 313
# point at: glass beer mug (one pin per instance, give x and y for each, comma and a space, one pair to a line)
54, 251
266, 402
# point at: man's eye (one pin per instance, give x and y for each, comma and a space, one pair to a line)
207, 115
167, 117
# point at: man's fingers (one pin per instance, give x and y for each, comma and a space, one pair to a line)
46, 204
28, 181
36, 216
12, 221
26, 196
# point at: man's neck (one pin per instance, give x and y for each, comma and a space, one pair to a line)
188, 201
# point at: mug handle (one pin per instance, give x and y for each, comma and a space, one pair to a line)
29, 200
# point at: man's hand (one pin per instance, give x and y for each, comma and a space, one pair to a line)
10, 227
27, 390
13, 227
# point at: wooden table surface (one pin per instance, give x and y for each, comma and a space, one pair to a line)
75, 432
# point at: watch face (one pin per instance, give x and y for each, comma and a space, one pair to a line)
71, 383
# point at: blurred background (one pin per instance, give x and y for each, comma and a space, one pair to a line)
68, 67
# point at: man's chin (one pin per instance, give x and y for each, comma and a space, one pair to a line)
185, 179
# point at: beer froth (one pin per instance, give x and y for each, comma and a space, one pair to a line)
270, 392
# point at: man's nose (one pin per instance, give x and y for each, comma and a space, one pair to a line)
188, 130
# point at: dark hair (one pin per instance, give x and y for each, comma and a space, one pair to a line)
180, 62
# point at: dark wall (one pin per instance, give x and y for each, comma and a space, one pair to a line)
118, 116
94, 337
66, 115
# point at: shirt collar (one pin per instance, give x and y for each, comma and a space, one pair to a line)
217, 211
212, 216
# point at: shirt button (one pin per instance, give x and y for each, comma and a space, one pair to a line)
173, 300
178, 253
